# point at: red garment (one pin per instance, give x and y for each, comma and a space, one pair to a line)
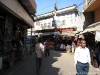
47, 45
73, 38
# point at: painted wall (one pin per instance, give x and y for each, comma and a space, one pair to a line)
80, 21
70, 21
97, 15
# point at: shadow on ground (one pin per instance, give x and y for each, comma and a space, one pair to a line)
47, 67
28, 66
25, 67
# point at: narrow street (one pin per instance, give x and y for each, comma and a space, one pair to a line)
58, 63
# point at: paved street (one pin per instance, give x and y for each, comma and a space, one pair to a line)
58, 63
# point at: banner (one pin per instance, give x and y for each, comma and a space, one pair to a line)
67, 30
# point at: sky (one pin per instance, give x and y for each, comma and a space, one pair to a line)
44, 6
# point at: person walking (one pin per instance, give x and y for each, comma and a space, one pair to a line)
13, 49
19, 46
82, 59
45, 43
97, 52
47, 48
34, 43
39, 54
73, 47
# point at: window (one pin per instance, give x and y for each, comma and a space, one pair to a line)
45, 24
63, 22
41, 25
49, 24
38, 23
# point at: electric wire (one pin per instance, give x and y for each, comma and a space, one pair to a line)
57, 2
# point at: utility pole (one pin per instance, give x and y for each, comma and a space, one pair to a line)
55, 20
55, 9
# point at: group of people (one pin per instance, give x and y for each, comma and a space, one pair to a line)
95, 55
67, 45
41, 51
82, 55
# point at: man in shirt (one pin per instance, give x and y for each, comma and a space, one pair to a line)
82, 59
47, 48
39, 53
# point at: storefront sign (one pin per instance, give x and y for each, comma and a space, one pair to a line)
67, 30
55, 23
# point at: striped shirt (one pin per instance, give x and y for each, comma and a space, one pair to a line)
39, 50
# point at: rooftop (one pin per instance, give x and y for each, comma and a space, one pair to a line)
58, 12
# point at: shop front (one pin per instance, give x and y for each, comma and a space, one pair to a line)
2, 30
10, 28
64, 37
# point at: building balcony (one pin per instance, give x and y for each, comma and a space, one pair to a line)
91, 5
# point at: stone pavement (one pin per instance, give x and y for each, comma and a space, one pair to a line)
58, 63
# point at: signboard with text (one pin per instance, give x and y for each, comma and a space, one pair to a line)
67, 30
55, 23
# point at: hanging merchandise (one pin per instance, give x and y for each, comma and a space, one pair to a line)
97, 36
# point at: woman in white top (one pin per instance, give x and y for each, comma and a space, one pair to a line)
68, 48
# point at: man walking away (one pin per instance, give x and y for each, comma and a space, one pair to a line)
39, 53
82, 59
47, 48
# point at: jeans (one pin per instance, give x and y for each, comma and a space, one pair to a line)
82, 68
38, 64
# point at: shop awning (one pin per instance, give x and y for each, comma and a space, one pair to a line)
16, 9
30, 5
92, 27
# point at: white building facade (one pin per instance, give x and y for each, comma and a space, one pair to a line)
69, 20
